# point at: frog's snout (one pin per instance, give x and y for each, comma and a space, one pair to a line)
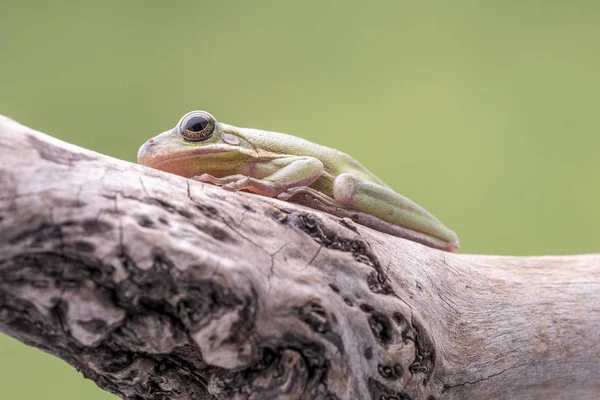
145, 152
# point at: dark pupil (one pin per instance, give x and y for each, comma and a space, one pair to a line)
199, 126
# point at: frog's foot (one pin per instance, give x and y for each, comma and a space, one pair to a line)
291, 192
208, 178
258, 186
306, 195
243, 182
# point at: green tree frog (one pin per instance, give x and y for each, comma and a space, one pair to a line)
290, 168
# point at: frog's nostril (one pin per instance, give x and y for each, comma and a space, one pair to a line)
150, 141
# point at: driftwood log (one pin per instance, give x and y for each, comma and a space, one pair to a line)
156, 287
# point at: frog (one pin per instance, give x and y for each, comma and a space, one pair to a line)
292, 169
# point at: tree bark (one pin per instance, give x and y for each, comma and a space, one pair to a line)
158, 287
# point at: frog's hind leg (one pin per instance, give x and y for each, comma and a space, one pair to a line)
390, 212
294, 194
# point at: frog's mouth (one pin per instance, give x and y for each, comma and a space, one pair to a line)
182, 161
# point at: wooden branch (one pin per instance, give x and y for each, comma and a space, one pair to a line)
158, 287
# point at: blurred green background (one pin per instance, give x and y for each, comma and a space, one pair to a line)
486, 113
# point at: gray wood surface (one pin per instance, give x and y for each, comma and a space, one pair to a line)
158, 287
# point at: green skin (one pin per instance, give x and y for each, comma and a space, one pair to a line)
278, 165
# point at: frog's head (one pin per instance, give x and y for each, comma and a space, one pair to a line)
197, 144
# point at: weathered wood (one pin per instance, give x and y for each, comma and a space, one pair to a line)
158, 287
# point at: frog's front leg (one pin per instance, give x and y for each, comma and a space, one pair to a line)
208, 178
382, 202
290, 172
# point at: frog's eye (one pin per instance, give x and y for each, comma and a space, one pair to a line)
197, 126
